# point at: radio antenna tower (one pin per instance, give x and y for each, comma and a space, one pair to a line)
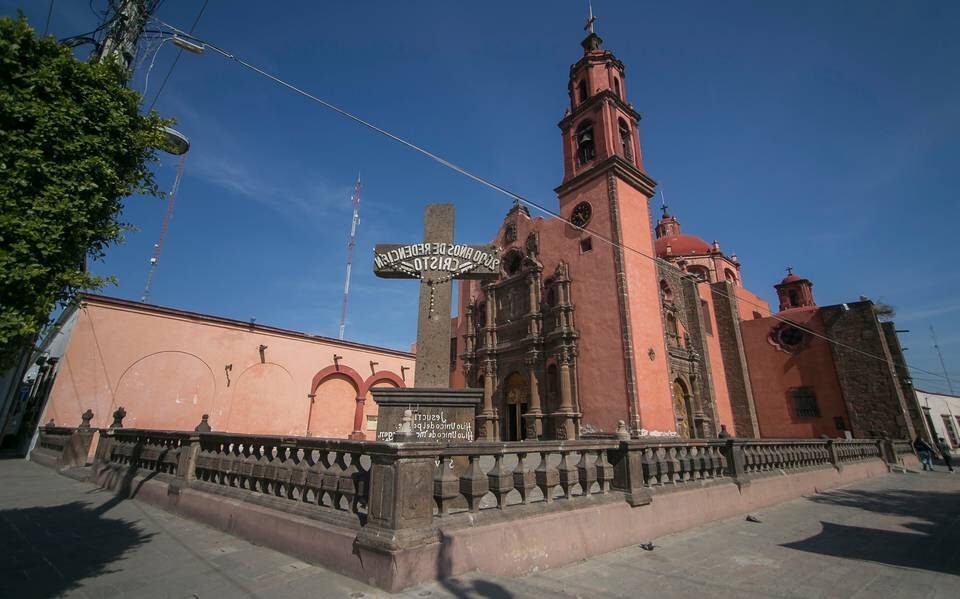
350, 245
940, 355
158, 246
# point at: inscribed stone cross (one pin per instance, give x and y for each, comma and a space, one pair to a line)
436, 261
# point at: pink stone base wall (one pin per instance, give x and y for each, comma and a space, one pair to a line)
506, 544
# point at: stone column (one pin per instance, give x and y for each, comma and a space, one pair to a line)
358, 434
566, 427
534, 414
487, 429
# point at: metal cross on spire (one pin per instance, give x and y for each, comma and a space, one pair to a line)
789, 270
589, 26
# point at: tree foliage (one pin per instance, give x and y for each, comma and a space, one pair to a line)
73, 144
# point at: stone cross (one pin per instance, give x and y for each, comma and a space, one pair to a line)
436, 262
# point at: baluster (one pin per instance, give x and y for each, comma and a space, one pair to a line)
663, 466
298, 474
604, 471
331, 474
588, 474
682, 454
474, 484
315, 473
673, 462
500, 480
348, 483
568, 475
446, 486
523, 478
547, 477
696, 463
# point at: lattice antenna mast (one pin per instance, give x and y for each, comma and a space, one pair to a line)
350, 245
158, 246
936, 346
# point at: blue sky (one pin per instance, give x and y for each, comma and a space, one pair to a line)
822, 135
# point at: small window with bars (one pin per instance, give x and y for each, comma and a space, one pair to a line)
805, 402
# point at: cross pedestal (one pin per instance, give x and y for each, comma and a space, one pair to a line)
440, 413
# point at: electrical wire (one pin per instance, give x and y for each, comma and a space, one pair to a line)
46, 26
146, 79
175, 60
516, 197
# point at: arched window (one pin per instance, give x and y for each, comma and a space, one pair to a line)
794, 298
665, 292
586, 150
699, 273
626, 144
730, 276
616, 87
512, 262
582, 88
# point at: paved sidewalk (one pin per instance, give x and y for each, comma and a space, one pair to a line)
894, 536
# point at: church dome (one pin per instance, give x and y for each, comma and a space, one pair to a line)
681, 245
791, 278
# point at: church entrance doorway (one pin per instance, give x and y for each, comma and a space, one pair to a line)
681, 408
516, 393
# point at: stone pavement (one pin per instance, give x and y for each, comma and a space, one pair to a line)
894, 536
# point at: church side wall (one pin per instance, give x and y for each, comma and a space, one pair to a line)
774, 373
869, 384
167, 370
731, 357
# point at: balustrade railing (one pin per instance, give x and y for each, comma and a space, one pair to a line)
766, 455
855, 450
901, 447
412, 485
146, 450
326, 473
54, 438
498, 476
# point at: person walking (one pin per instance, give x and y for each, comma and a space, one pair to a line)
924, 452
945, 452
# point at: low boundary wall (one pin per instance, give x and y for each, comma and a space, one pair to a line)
396, 515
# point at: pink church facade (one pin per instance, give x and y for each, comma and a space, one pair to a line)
167, 368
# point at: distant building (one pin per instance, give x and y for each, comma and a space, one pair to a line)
169, 367
942, 414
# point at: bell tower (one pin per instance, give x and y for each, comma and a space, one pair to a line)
605, 193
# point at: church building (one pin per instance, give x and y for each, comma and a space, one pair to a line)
597, 319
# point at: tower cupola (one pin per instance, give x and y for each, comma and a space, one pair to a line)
795, 292
600, 123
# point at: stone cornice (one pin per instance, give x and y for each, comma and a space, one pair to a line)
620, 167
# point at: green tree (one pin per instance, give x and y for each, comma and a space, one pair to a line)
73, 144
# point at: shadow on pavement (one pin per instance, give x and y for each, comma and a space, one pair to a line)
460, 588
49, 550
932, 546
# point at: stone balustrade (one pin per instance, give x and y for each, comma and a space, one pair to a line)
388, 491
54, 438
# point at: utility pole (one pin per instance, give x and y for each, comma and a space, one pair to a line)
122, 38
940, 355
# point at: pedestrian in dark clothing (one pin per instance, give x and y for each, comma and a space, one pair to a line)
723, 434
924, 452
945, 452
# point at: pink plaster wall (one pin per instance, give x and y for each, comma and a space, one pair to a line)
167, 368
774, 372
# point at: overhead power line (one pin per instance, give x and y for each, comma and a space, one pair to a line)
515, 196
176, 59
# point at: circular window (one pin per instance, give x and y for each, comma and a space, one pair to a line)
581, 214
788, 338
